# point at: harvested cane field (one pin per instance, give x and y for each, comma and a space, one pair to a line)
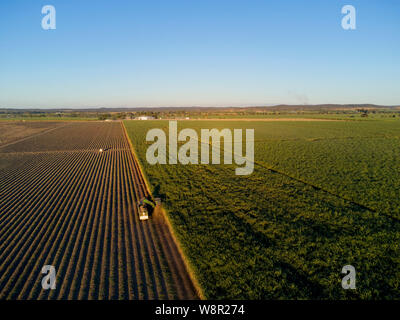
322, 195
11, 131
65, 204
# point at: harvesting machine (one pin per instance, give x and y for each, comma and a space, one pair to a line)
144, 205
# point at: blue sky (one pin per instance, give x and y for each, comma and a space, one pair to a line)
124, 53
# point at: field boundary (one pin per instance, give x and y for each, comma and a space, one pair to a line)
186, 262
261, 119
254, 119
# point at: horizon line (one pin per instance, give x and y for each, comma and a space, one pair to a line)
203, 107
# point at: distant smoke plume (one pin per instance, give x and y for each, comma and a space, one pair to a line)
298, 97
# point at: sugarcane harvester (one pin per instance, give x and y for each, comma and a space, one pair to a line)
145, 206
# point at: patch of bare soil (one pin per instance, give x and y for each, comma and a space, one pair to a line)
16, 130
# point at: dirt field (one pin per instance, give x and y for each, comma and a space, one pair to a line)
11, 131
67, 205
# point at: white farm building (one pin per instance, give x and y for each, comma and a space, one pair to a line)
145, 118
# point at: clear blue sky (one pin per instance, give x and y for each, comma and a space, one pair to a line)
124, 53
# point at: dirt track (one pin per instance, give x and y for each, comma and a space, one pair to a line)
67, 205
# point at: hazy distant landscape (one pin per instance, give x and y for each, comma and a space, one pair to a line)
313, 111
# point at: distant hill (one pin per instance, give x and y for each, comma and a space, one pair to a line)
276, 108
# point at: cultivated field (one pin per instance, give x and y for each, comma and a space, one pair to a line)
322, 195
15, 130
63, 203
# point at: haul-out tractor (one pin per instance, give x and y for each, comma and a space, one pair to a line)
144, 206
